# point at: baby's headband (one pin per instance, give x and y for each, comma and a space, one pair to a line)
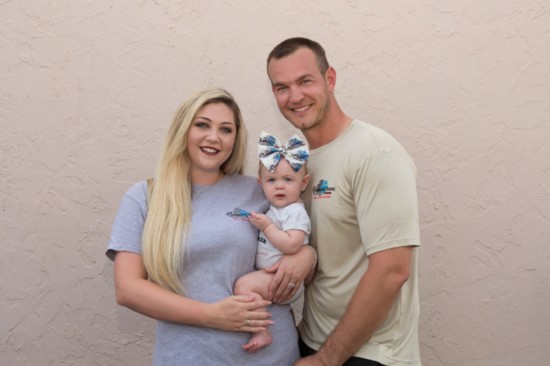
270, 151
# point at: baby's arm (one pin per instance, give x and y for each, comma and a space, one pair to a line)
288, 242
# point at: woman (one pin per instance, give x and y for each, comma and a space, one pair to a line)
179, 249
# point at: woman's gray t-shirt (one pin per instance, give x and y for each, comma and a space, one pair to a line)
221, 247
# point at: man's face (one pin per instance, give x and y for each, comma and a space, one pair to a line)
301, 91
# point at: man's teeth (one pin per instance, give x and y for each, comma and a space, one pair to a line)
301, 109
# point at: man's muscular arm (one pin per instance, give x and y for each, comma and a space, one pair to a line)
369, 306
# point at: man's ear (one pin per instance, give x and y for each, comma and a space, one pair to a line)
330, 77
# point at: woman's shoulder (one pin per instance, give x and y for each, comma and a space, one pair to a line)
241, 178
243, 181
247, 189
138, 191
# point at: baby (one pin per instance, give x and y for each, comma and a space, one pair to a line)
285, 227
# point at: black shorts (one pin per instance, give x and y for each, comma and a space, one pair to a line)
305, 350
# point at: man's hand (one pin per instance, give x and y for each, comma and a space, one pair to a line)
313, 360
290, 273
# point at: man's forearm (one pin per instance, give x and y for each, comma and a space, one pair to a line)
369, 305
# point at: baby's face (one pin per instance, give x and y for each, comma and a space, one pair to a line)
284, 185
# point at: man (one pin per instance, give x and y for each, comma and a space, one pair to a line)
362, 306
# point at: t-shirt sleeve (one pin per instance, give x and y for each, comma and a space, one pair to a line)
387, 203
129, 220
297, 219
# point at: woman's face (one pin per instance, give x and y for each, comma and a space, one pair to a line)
210, 141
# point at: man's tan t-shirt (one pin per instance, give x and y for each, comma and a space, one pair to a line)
362, 199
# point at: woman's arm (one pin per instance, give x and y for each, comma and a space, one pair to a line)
135, 291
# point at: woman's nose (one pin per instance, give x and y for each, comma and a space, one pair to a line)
212, 135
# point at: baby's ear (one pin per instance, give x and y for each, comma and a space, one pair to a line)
305, 181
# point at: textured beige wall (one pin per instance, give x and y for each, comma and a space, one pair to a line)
87, 90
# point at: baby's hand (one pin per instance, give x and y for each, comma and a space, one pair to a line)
260, 220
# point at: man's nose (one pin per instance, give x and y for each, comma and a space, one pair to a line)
296, 94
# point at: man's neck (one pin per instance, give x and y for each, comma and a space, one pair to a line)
334, 125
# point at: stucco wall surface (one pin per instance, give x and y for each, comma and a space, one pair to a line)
88, 88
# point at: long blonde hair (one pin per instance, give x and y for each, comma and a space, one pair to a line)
169, 206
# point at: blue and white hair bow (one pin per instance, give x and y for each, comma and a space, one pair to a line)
270, 151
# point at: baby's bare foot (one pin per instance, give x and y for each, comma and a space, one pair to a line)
258, 341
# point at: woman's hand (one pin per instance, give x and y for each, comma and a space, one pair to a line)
290, 273
234, 313
240, 313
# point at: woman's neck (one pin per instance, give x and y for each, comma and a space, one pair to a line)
206, 178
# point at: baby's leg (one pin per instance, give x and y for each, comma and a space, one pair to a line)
255, 284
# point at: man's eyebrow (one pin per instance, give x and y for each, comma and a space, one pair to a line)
300, 78
305, 76
277, 84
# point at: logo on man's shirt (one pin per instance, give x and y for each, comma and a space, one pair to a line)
322, 190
